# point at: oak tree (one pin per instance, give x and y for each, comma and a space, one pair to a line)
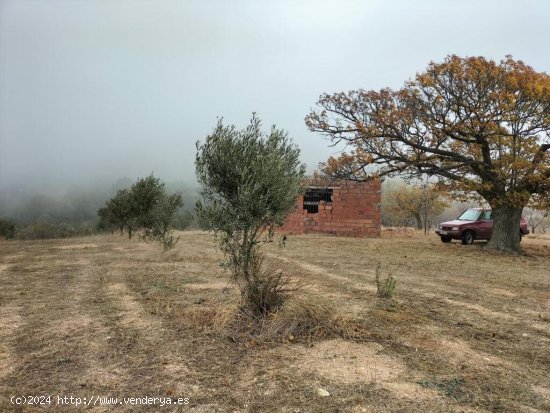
477, 125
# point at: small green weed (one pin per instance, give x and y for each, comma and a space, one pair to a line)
384, 289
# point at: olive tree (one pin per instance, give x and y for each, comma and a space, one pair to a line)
144, 207
250, 183
118, 212
160, 220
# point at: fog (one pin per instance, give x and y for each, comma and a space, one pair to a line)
93, 91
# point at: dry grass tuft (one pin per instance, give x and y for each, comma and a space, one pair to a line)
267, 290
399, 232
215, 318
300, 319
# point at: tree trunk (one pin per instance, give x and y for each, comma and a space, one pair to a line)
418, 221
506, 230
427, 225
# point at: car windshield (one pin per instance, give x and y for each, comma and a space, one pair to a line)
470, 215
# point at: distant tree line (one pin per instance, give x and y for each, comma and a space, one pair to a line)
30, 213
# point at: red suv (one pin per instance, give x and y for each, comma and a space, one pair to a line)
474, 223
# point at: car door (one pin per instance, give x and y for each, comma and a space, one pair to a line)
485, 225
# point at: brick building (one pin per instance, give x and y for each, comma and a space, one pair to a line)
344, 208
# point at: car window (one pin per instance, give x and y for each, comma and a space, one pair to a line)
486, 215
469, 215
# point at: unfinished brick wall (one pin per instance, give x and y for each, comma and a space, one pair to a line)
353, 212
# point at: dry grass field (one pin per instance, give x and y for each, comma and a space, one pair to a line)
467, 331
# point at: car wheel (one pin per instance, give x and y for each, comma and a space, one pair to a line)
446, 239
468, 238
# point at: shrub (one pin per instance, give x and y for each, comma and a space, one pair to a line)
43, 229
8, 228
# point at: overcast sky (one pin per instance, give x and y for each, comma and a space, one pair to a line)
101, 89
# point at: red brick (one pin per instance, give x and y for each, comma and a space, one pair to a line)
355, 212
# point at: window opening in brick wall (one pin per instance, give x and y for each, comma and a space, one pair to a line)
314, 196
